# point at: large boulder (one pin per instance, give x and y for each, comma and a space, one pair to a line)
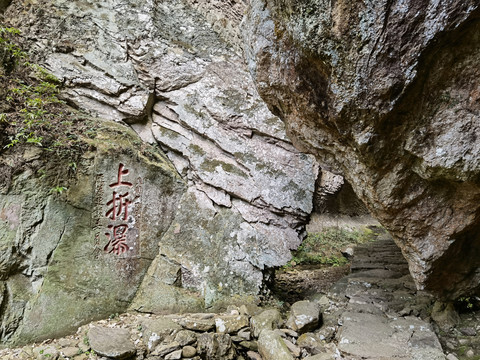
387, 94
76, 244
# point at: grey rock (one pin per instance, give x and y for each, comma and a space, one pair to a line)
229, 324
451, 357
157, 296
344, 96
266, 320
60, 265
196, 323
252, 355
250, 345
65, 342
46, 352
290, 332
180, 82
154, 331
468, 331
164, 349
114, 343
272, 347
324, 356
348, 252
189, 352
84, 346
295, 350
326, 333
311, 343
185, 337
445, 315
366, 335
245, 334
175, 355
70, 351
215, 346
305, 316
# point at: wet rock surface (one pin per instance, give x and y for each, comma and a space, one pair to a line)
379, 93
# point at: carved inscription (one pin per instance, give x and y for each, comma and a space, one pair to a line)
117, 214
98, 212
118, 211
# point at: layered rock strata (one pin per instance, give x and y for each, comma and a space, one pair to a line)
171, 70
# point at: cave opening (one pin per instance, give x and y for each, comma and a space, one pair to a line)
339, 222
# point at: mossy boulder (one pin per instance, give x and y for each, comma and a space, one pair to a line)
76, 245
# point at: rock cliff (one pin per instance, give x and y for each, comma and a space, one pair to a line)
387, 94
174, 73
195, 190
80, 250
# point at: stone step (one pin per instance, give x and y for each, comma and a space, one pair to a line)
373, 325
403, 269
367, 250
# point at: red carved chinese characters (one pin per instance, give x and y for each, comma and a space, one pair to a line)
121, 171
119, 205
118, 240
118, 211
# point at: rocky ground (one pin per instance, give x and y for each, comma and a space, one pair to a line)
375, 312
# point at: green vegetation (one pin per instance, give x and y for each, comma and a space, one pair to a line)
10, 52
58, 189
324, 248
467, 304
31, 112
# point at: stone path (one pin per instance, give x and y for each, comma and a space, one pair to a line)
381, 314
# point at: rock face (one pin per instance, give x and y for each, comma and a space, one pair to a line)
111, 342
387, 94
173, 72
230, 208
81, 254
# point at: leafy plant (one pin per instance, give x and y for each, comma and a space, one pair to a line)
58, 189
31, 111
466, 304
113, 316
10, 52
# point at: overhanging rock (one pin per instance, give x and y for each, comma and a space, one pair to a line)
387, 93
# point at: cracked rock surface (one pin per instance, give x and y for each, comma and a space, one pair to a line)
386, 93
173, 71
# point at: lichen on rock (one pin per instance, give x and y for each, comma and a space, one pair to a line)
385, 94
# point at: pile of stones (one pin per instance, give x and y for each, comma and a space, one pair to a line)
245, 332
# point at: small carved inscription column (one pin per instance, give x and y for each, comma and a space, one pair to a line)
118, 214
